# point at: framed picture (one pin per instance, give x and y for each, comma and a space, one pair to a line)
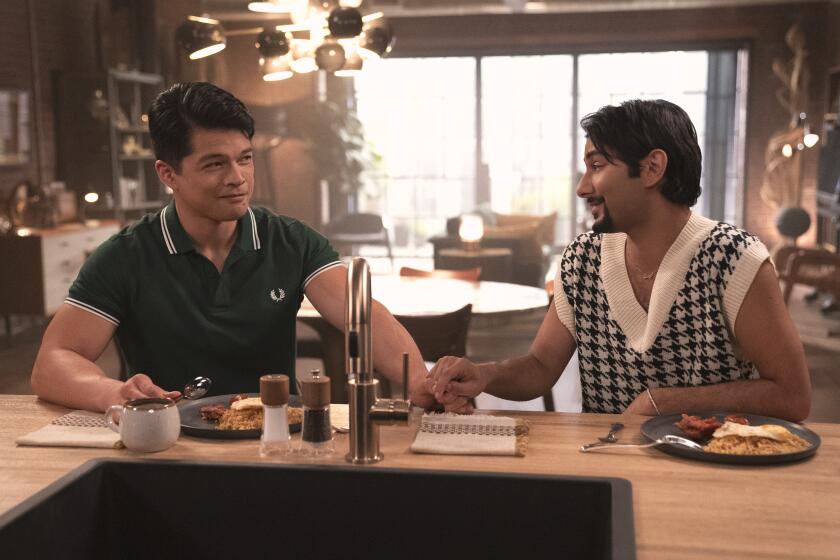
15, 139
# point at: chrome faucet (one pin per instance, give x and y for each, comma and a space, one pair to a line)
367, 411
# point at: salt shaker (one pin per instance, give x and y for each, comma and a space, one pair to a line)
274, 394
316, 432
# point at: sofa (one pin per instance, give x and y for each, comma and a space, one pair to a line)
530, 239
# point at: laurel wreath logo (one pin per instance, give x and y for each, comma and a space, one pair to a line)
277, 295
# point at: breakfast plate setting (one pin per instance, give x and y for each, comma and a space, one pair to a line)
740, 439
193, 423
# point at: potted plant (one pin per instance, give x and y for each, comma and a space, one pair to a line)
343, 157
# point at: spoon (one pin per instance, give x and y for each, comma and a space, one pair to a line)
671, 439
610, 437
195, 389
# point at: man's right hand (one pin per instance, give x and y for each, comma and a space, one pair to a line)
140, 386
454, 379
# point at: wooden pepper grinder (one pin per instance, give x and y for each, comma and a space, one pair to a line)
316, 433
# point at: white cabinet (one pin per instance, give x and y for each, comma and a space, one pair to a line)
36, 270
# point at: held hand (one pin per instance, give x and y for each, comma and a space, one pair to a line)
460, 405
421, 396
453, 377
140, 386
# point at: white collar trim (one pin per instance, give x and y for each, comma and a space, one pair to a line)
642, 327
164, 228
254, 235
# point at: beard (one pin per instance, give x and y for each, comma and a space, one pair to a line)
605, 224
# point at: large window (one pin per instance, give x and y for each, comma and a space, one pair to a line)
457, 134
424, 131
527, 133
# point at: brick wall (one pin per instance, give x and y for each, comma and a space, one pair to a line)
15, 72
57, 36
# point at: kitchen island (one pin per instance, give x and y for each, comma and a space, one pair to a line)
682, 508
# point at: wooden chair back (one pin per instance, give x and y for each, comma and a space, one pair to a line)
817, 268
439, 335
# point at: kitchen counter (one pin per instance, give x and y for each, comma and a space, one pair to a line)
683, 509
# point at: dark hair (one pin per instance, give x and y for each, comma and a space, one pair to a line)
177, 111
630, 131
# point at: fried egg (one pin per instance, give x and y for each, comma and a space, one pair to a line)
769, 431
247, 404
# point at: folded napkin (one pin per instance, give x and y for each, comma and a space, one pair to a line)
477, 434
340, 415
78, 428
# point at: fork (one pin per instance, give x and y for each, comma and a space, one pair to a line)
670, 439
611, 437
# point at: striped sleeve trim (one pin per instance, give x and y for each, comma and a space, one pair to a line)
319, 271
742, 278
91, 309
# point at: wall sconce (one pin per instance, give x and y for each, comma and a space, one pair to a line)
273, 47
336, 40
201, 36
352, 66
95, 206
471, 231
376, 42
805, 138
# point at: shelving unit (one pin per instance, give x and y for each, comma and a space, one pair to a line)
135, 186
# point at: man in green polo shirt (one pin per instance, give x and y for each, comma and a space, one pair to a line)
208, 285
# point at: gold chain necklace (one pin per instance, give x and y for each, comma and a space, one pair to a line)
645, 276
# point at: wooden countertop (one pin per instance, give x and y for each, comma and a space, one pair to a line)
683, 509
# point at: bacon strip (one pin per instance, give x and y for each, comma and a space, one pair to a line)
698, 428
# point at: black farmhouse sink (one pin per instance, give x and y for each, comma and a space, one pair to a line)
173, 509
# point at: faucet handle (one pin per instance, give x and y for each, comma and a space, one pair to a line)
390, 411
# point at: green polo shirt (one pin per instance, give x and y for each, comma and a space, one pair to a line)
177, 317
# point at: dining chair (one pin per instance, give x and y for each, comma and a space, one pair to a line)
308, 341
440, 335
817, 268
468, 274
359, 229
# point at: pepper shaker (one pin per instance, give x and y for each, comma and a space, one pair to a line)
274, 394
316, 433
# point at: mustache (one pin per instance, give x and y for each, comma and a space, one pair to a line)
593, 200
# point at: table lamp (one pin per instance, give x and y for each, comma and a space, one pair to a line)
471, 231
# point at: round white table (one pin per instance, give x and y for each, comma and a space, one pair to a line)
404, 295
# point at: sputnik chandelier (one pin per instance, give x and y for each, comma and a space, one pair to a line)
329, 35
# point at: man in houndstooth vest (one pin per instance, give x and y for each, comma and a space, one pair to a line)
669, 311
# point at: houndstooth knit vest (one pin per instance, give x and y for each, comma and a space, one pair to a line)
687, 338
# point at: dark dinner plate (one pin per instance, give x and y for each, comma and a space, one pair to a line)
192, 424
662, 425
